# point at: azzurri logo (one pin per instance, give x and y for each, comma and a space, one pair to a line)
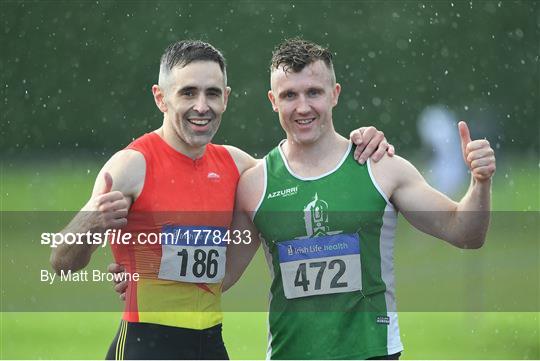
283, 193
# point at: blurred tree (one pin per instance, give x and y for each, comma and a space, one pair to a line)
77, 75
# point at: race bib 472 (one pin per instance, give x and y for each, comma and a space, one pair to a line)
320, 265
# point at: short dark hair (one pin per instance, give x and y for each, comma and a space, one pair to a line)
296, 53
183, 52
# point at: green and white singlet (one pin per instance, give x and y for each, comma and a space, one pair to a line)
329, 242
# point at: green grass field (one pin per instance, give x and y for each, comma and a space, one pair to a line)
507, 269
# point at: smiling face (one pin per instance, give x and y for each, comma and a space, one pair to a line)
304, 101
193, 99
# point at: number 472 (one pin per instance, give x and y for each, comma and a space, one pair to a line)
301, 280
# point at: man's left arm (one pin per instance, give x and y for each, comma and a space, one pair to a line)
464, 224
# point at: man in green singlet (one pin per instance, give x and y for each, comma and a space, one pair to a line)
327, 223
174, 172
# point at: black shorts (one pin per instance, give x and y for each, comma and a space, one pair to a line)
389, 357
137, 340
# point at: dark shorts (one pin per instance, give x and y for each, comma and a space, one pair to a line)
388, 357
135, 340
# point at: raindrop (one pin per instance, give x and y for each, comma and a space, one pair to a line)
445, 52
352, 104
402, 44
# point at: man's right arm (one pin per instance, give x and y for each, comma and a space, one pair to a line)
117, 185
249, 192
369, 142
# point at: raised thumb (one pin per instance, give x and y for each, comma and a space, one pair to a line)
465, 136
108, 183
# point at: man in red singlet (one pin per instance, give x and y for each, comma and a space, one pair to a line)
174, 182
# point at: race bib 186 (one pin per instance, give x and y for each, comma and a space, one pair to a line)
320, 265
193, 254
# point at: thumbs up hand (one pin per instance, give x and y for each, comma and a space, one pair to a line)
108, 183
478, 154
108, 209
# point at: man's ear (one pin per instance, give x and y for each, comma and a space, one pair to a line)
272, 100
226, 96
335, 94
159, 98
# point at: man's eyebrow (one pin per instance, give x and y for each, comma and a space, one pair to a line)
215, 90
187, 88
282, 93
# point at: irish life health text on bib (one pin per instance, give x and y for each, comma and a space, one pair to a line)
320, 265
